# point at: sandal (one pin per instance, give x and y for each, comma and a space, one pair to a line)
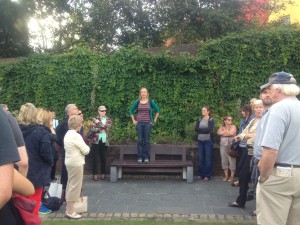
230, 179
225, 179
102, 176
234, 204
95, 178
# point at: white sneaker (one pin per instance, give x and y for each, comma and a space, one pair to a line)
74, 215
146, 160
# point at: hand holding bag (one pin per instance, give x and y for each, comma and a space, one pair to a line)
80, 206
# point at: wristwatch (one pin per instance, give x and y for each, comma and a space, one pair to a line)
261, 181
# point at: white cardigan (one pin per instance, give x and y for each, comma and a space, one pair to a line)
75, 148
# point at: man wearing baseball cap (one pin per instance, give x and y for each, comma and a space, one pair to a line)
278, 190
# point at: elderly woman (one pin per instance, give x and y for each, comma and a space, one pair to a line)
227, 132
247, 135
100, 140
76, 149
39, 151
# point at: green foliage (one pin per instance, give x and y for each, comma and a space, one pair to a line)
14, 39
226, 73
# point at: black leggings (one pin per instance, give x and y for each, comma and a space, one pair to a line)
98, 149
244, 178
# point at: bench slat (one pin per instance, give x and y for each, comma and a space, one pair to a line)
159, 161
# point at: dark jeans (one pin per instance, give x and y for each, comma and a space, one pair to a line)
64, 172
254, 177
244, 178
143, 131
204, 158
96, 151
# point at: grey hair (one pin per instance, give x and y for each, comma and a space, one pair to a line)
288, 89
67, 109
255, 103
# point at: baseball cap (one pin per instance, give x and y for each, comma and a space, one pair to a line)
279, 78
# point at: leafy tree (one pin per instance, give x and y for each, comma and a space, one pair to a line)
14, 39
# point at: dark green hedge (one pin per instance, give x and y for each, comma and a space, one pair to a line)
226, 73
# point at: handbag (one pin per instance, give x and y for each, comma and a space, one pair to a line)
55, 190
52, 203
25, 207
80, 206
233, 150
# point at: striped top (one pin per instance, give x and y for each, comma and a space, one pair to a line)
144, 113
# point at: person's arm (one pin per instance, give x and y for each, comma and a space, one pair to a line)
267, 162
211, 126
23, 163
81, 145
108, 124
45, 149
21, 185
157, 110
133, 107
6, 174
156, 117
221, 131
230, 132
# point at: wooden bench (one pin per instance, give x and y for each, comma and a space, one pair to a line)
163, 158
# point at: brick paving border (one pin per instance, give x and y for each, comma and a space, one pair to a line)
154, 217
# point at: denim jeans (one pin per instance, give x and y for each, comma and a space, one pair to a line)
143, 130
204, 159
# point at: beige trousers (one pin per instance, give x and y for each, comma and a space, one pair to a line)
226, 160
278, 200
74, 184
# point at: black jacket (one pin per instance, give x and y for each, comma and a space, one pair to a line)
40, 156
207, 130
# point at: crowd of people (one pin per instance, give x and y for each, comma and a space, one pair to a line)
268, 165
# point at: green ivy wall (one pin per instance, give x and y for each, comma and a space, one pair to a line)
225, 74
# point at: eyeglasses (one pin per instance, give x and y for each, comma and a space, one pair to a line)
229, 119
102, 110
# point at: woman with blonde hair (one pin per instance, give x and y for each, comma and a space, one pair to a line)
45, 119
40, 156
144, 122
227, 132
76, 149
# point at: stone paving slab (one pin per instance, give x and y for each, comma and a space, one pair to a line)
160, 200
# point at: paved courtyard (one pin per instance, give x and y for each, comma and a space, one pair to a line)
140, 198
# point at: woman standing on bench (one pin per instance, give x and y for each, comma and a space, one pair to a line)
205, 128
143, 123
